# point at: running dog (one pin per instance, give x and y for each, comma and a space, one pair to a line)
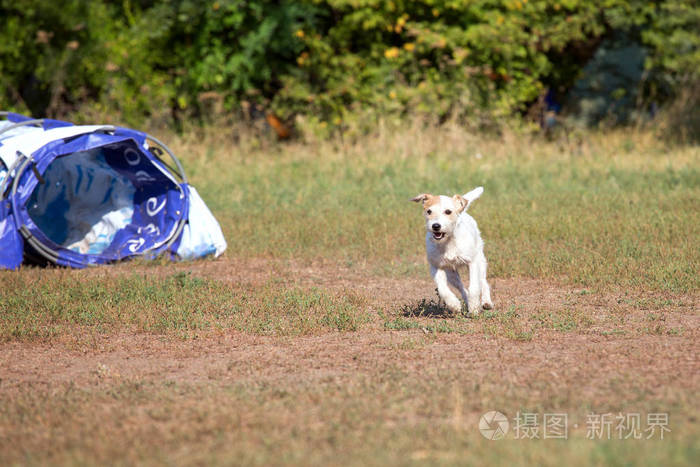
453, 240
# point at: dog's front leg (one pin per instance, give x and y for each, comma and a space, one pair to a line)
450, 299
456, 282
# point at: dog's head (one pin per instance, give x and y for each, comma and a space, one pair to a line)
441, 213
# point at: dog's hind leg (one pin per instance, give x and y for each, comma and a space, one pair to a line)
474, 293
450, 299
486, 302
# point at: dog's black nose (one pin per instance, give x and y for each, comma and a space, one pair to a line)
436, 226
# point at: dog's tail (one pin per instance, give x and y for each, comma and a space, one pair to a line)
473, 195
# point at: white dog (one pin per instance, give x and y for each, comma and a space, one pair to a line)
453, 240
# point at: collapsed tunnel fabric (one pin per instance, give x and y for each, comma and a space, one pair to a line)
83, 195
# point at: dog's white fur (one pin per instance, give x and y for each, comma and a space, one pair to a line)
453, 240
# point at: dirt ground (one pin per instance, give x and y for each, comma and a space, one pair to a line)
629, 344
618, 350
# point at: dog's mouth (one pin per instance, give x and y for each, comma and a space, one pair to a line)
438, 235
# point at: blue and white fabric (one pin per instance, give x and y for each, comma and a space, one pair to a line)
94, 195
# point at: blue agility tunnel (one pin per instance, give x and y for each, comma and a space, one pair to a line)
81, 195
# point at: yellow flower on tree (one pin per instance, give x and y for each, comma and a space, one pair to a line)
301, 59
391, 52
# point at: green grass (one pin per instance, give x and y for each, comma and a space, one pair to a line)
431, 316
619, 210
565, 320
42, 305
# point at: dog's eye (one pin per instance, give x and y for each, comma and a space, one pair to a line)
448, 212
429, 211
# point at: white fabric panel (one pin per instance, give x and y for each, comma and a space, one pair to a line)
29, 141
202, 235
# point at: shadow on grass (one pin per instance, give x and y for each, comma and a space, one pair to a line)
426, 309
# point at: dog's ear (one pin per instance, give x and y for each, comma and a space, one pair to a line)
460, 202
421, 198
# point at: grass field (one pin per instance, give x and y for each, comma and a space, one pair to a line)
317, 337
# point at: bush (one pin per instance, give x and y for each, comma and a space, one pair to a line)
329, 59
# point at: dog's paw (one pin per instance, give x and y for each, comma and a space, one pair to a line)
487, 306
454, 305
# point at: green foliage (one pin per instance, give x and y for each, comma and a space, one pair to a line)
52, 53
328, 59
674, 36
